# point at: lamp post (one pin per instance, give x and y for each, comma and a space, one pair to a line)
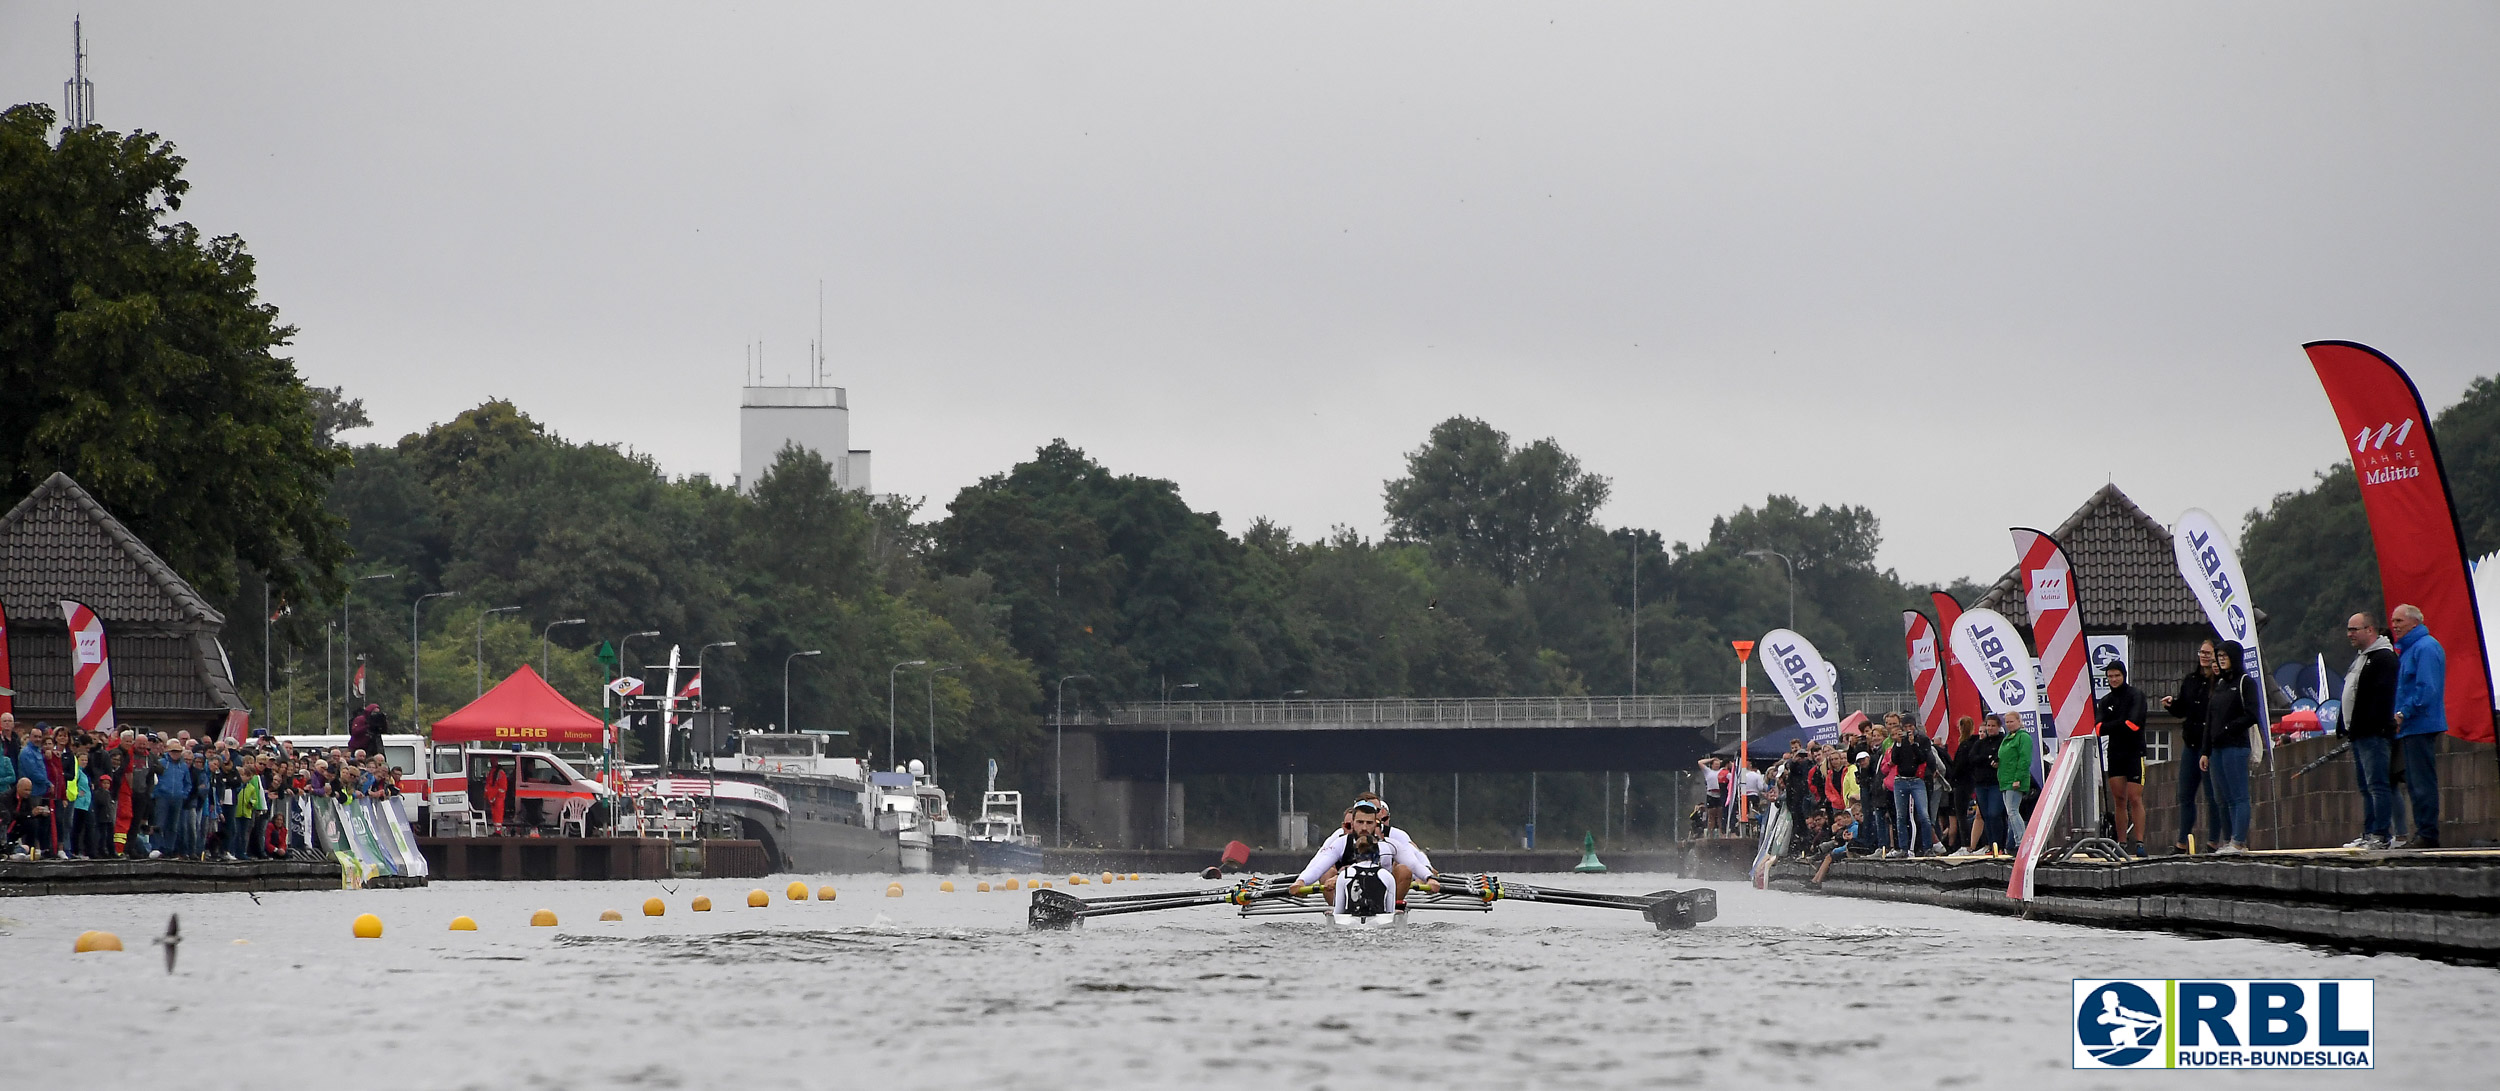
542, 640
785, 684
612, 747
889, 702
481, 645
702, 693
1792, 579
1167, 757
933, 673
416, 701
1059, 757
347, 642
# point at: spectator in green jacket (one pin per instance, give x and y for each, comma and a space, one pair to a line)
2013, 776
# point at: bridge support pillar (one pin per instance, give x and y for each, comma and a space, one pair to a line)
1116, 813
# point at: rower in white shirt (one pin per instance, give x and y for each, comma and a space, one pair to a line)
1406, 866
1357, 850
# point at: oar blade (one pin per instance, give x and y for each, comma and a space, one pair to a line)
1055, 910
1677, 910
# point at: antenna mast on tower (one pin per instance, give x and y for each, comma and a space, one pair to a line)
78, 107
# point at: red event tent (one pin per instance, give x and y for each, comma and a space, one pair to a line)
522, 708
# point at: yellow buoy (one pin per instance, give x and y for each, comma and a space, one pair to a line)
757, 899
1011, 885
984, 888
544, 918
824, 893
1076, 880
610, 915
894, 890
653, 907
463, 924
98, 941
1132, 876
1106, 876
701, 904
367, 926
797, 892
946, 887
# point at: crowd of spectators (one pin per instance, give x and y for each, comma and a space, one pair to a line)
80, 795
1889, 790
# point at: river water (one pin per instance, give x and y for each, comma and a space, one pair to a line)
951, 990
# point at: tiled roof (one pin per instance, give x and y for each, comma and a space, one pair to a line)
2125, 571
59, 543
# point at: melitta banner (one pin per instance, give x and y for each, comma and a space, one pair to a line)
1804, 681
2212, 570
2057, 624
91, 670
1961, 698
1989, 650
1918, 640
2421, 554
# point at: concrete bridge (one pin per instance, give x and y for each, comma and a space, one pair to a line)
1117, 762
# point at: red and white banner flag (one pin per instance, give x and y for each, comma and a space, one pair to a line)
1927, 676
2421, 553
693, 689
2057, 627
1961, 696
7, 702
358, 686
91, 671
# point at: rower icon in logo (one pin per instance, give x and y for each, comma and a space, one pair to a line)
2119, 1024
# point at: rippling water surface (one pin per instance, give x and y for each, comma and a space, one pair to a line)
950, 990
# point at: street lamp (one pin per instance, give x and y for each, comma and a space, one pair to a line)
610, 747
542, 640
1059, 757
933, 716
1792, 579
481, 645
1167, 757
347, 644
889, 702
416, 701
785, 684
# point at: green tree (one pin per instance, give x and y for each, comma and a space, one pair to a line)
2310, 565
137, 356
1479, 502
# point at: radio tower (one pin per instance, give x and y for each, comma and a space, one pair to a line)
79, 107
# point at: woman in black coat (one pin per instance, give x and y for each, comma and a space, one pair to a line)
2230, 711
2189, 707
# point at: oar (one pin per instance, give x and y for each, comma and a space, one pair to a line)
1668, 909
1052, 908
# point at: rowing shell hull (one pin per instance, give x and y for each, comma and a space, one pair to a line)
1385, 920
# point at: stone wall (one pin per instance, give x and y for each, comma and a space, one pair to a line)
2323, 809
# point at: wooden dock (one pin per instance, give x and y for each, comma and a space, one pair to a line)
589, 858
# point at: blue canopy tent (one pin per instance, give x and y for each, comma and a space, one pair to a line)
1772, 743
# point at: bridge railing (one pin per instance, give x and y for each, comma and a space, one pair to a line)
1685, 709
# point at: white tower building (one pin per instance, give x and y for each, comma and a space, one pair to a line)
817, 418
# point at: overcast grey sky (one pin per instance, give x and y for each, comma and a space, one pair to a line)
1958, 263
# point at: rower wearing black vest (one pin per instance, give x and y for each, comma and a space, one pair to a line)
1357, 845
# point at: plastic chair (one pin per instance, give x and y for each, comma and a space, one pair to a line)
575, 816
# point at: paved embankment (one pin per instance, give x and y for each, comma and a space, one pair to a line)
2444, 903
27, 878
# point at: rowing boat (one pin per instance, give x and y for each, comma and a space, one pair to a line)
1669, 910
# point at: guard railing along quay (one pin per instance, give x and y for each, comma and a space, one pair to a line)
1648, 710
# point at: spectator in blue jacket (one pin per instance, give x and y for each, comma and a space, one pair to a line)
173, 787
2421, 717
